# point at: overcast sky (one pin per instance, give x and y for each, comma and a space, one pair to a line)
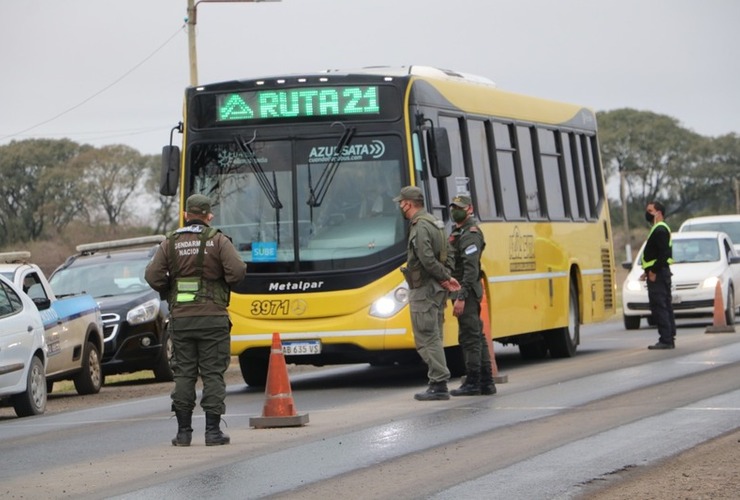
113, 71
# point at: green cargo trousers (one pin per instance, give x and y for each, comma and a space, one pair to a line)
474, 342
202, 346
427, 305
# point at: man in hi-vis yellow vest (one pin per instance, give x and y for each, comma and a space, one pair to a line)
656, 260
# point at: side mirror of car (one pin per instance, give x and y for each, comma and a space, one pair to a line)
734, 260
627, 265
43, 303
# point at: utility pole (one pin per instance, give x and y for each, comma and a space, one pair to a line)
192, 20
192, 56
625, 212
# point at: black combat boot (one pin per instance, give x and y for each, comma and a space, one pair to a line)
487, 387
437, 391
471, 386
184, 428
214, 436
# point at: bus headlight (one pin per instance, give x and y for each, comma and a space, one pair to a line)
144, 312
390, 303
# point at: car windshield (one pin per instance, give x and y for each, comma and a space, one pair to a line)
109, 278
695, 250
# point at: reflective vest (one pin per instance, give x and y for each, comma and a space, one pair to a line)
649, 263
193, 289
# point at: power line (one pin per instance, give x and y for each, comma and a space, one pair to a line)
181, 29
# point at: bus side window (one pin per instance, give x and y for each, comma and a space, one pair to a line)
483, 183
529, 175
507, 171
551, 175
580, 177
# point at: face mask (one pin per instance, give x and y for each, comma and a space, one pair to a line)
458, 214
649, 217
402, 209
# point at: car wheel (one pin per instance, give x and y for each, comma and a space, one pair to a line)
90, 378
730, 307
632, 322
254, 370
163, 370
33, 400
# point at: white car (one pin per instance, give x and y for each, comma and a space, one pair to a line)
701, 260
729, 224
22, 352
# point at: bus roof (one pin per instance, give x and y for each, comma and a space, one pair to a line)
467, 92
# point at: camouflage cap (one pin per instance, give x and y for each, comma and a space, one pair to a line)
461, 201
198, 204
411, 193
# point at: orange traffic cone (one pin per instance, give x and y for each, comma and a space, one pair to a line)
279, 410
719, 324
485, 317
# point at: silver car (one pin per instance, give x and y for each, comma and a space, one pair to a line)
702, 260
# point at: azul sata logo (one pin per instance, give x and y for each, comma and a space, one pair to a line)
374, 149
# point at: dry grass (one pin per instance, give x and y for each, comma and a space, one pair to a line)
68, 385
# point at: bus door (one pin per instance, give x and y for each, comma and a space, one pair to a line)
442, 162
457, 182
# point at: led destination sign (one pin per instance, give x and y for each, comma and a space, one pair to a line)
298, 103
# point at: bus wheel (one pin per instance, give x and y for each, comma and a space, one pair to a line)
632, 322
563, 342
254, 370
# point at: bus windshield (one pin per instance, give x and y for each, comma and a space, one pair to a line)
305, 204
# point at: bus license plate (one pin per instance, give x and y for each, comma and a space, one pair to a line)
301, 347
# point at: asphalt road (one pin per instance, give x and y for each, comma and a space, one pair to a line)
555, 426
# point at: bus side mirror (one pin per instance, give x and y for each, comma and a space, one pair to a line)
170, 174
440, 158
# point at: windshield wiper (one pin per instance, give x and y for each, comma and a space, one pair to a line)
327, 175
268, 188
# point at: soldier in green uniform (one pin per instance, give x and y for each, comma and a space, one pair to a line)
467, 243
195, 268
429, 282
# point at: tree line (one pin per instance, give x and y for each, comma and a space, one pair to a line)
49, 184
659, 159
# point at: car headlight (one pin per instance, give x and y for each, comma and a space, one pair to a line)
710, 282
633, 285
390, 303
143, 312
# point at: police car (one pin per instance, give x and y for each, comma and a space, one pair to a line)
134, 316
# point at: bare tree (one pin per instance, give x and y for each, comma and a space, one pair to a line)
112, 175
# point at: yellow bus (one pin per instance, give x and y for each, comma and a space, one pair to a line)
302, 170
